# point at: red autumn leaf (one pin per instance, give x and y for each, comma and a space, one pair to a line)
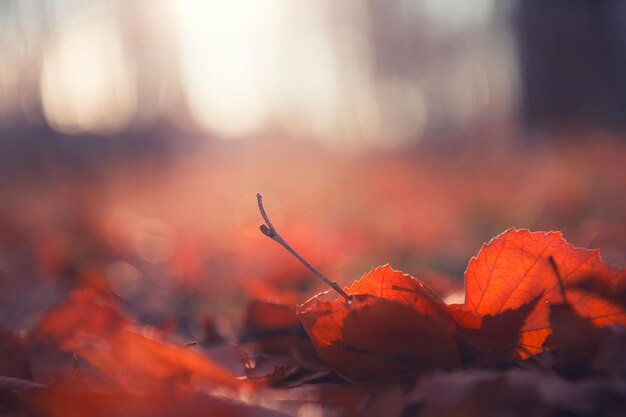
515, 267
84, 312
393, 327
614, 291
387, 283
137, 358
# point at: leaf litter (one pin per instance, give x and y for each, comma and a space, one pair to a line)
541, 332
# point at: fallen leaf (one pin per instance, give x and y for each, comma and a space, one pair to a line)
387, 283
574, 340
94, 328
613, 291
514, 268
393, 327
490, 339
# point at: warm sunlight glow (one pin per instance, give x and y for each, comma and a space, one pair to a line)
226, 49
86, 82
248, 64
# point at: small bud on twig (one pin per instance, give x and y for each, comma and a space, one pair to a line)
268, 230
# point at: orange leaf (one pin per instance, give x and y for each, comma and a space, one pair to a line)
385, 282
393, 327
94, 328
514, 268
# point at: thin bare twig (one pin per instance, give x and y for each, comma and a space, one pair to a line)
269, 230
558, 277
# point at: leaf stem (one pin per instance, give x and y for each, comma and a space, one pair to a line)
269, 230
558, 278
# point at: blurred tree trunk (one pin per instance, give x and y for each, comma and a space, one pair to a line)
572, 63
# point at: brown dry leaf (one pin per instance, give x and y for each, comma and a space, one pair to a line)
575, 342
490, 339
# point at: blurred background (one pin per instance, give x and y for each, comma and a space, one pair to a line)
135, 134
